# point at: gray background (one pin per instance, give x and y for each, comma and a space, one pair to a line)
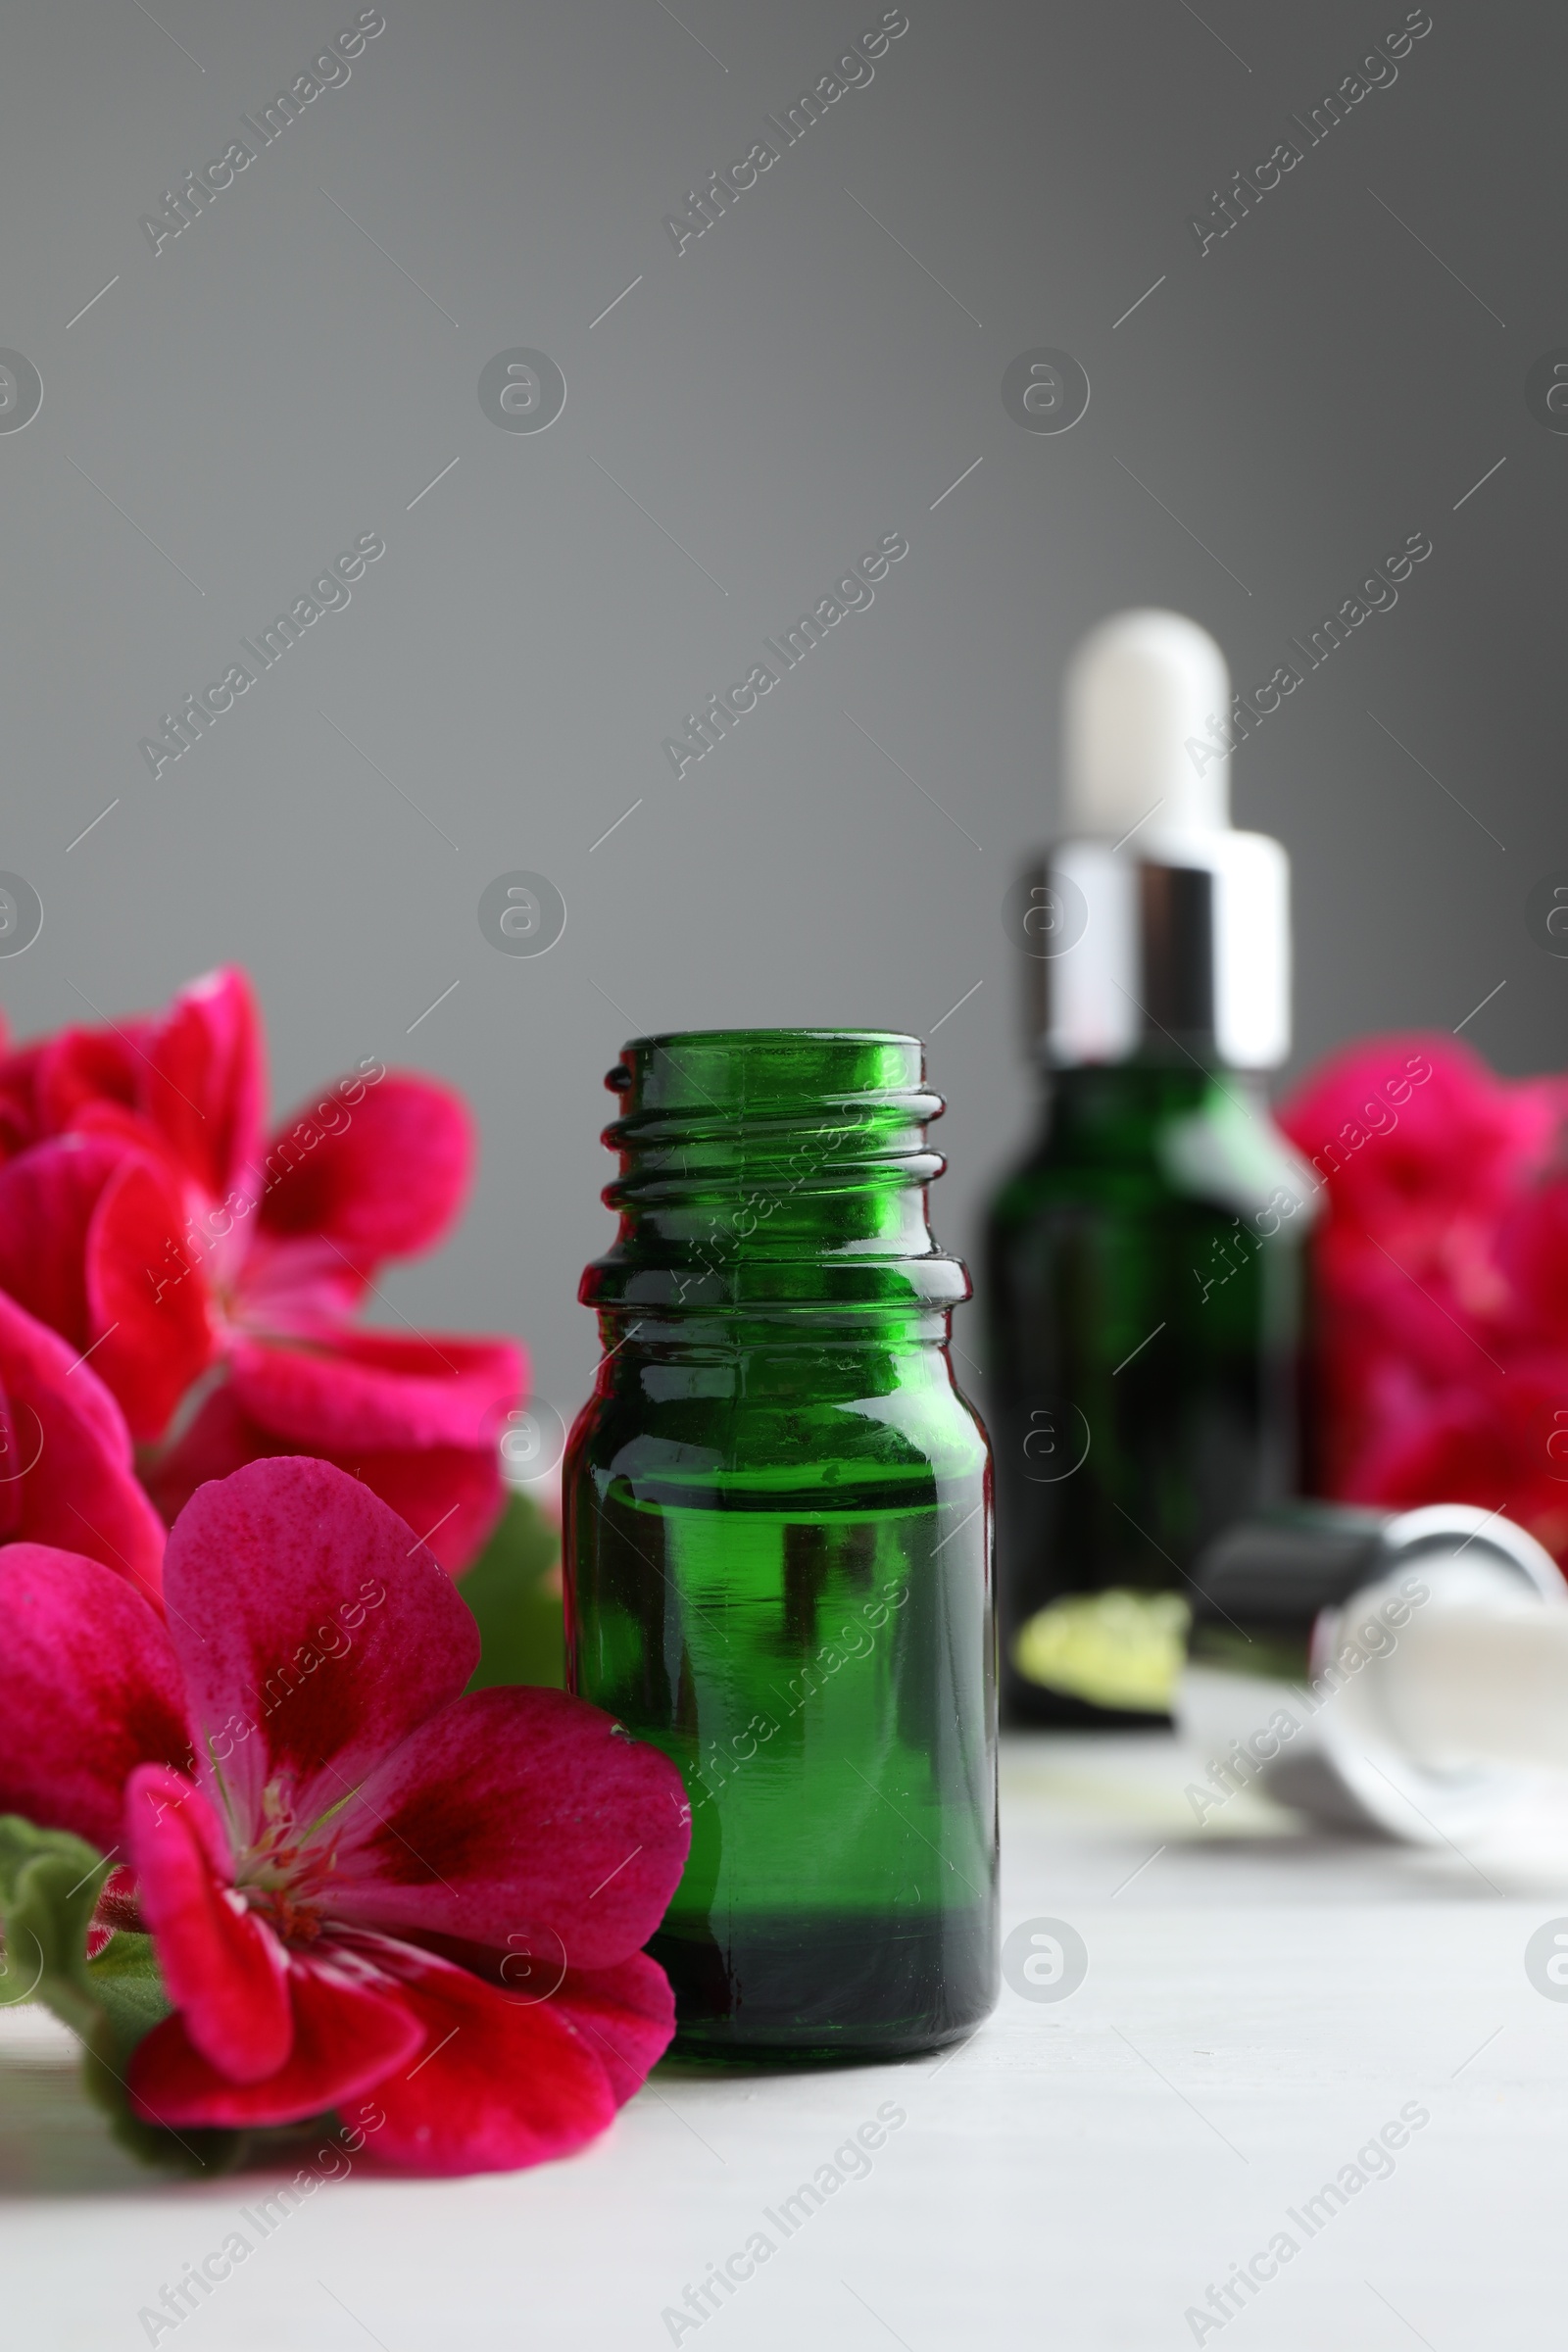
776, 397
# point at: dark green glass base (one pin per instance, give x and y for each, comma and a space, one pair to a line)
812, 1987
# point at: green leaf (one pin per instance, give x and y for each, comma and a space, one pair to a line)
50, 1882
128, 1989
516, 1600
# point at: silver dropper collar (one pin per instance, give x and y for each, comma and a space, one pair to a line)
1179, 946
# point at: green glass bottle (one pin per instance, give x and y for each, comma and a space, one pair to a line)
1145, 1274
778, 1542
1144, 1279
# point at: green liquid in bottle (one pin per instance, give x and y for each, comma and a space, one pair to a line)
813, 1650
778, 1544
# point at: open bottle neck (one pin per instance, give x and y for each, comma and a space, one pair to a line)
766, 1173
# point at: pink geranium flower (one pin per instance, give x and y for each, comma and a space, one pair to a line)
1414, 1131
1442, 1275
358, 1881
213, 1272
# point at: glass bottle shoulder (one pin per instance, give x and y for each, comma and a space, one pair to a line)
1143, 1140
764, 1425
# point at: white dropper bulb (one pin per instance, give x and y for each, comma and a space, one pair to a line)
1138, 690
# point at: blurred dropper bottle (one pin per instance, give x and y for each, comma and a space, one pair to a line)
1144, 1265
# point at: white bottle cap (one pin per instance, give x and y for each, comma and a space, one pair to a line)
1403, 1671
1156, 928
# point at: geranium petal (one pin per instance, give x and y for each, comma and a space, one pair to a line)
502, 2083
47, 1198
1533, 1250
225, 1971
627, 2014
91, 1690
349, 2032
90, 1244
67, 1472
147, 1297
339, 1388
202, 1081
19, 1104
382, 1177
515, 1812
315, 1630
217, 1440
83, 1066
451, 1495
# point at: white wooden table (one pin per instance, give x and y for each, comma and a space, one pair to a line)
1259, 2002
